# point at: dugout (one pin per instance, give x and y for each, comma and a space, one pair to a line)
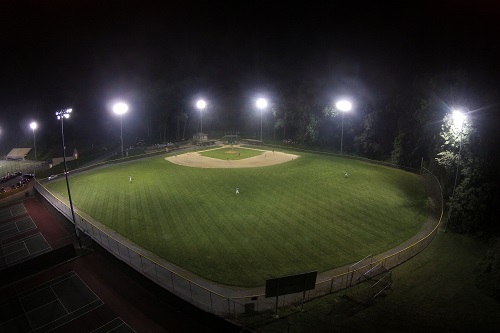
252, 142
200, 138
231, 138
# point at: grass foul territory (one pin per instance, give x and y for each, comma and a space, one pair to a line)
300, 215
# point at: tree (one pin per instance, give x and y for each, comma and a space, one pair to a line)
417, 130
158, 101
280, 123
181, 117
379, 126
465, 159
305, 114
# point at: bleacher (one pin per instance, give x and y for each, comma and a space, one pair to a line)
17, 154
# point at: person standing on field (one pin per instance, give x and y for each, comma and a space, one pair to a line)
130, 179
237, 190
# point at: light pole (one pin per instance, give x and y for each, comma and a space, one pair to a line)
201, 104
61, 114
120, 109
343, 106
33, 126
458, 121
261, 104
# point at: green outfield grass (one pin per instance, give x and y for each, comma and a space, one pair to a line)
433, 292
298, 216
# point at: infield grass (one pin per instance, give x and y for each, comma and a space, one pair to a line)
298, 216
235, 153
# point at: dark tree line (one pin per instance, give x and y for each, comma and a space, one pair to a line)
412, 127
409, 127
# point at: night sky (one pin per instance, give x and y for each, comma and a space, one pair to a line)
86, 54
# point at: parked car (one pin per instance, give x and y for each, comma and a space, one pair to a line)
8, 177
53, 176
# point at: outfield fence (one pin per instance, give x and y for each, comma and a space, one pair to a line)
229, 302
24, 166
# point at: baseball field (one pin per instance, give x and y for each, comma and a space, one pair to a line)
295, 211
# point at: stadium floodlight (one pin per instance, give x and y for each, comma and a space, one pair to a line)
261, 104
458, 119
61, 114
201, 104
458, 122
120, 109
344, 106
33, 126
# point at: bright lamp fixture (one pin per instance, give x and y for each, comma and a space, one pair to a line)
261, 103
120, 108
458, 118
63, 113
201, 104
343, 105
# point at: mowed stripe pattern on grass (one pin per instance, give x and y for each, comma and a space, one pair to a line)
297, 216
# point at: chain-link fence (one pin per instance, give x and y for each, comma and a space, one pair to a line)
366, 268
230, 305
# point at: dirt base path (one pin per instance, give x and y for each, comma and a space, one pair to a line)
196, 160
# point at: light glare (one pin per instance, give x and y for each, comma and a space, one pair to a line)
120, 108
201, 104
261, 103
458, 118
33, 125
63, 113
343, 105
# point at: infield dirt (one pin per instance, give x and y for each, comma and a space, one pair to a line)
196, 160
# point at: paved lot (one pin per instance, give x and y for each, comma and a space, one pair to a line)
23, 249
58, 305
93, 293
